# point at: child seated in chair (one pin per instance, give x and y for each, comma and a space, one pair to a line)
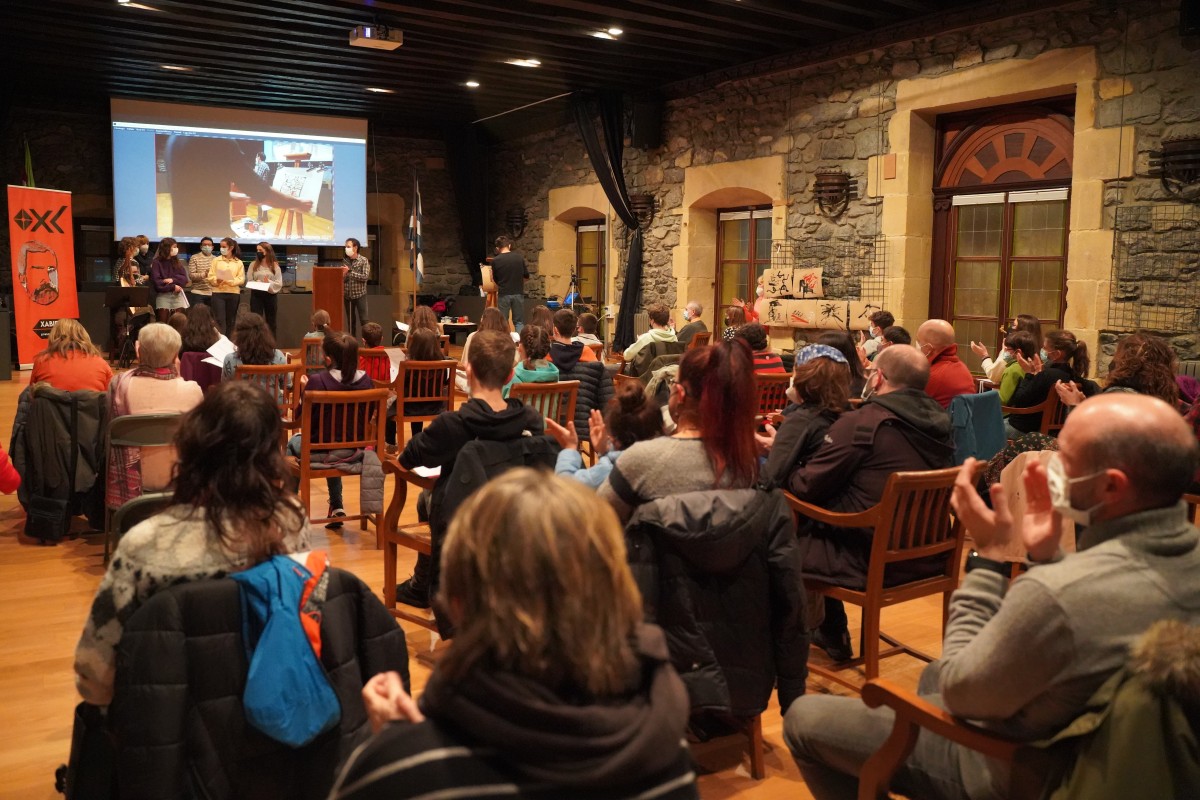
534, 367
423, 345
488, 415
341, 374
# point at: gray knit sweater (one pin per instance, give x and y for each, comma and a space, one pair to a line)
659, 468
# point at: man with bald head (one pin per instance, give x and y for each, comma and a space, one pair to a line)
898, 428
948, 377
1023, 659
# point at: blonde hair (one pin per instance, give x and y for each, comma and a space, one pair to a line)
535, 577
68, 336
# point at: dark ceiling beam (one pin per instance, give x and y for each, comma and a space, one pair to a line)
750, 17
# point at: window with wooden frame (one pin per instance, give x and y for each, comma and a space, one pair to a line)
591, 243
743, 254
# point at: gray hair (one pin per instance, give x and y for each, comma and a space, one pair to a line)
695, 307
158, 345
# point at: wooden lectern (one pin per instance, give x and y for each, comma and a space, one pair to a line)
327, 294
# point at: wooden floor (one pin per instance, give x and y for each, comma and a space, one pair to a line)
45, 593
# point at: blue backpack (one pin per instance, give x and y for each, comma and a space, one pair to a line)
287, 695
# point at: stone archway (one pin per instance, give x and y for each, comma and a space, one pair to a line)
567, 206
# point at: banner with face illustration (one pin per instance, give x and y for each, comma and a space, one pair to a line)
41, 233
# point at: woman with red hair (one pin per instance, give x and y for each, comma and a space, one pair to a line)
712, 404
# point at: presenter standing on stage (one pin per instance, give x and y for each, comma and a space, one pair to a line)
265, 269
509, 272
144, 259
169, 276
356, 269
226, 276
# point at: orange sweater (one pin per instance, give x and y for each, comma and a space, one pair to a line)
73, 373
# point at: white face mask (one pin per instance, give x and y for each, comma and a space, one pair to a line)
868, 390
686, 315
759, 292
174, 252
206, 249
792, 394
224, 251
1060, 492
350, 251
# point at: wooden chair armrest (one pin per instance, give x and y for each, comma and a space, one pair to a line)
391, 466
1021, 410
860, 519
912, 708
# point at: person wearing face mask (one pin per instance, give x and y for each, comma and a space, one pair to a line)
1024, 658
948, 376
168, 276
199, 289
356, 269
143, 257
265, 269
226, 276
899, 428
752, 310
691, 315
870, 342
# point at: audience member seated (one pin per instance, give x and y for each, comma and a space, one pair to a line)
899, 428
589, 325
178, 320
1142, 364
487, 415
153, 387
1016, 342
948, 376
591, 705
841, 341
201, 332
1024, 658
753, 310
489, 320
714, 390
819, 393
691, 315
995, 369
660, 330
341, 374
1067, 361
70, 361
533, 366
631, 417
372, 334
231, 510
765, 359
879, 322
319, 322
564, 352
541, 316
423, 345
255, 345
422, 317
735, 317
894, 334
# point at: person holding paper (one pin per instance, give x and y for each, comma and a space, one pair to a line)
168, 276
226, 275
255, 345
265, 282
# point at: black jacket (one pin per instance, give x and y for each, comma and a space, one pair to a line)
1034, 389
595, 390
900, 431
799, 436
177, 707
719, 571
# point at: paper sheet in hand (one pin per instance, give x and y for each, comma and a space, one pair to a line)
395, 355
183, 296
262, 286
402, 326
221, 348
216, 362
427, 472
516, 337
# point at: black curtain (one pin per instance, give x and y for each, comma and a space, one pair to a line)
607, 162
467, 160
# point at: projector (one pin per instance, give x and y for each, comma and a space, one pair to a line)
380, 37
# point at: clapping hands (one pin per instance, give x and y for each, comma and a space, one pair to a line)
386, 701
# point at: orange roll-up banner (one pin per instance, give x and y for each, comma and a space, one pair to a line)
42, 235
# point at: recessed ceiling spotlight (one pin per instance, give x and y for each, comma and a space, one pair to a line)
615, 31
524, 62
603, 35
377, 90
176, 68
472, 84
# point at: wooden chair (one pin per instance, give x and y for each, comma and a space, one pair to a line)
422, 382
312, 351
912, 714
284, 383
1054, 413
618, 379
597, 348
376, 362
444, 343
336, 421
772, 394
415, 537
1193, 501
142, 431
699, 339
911, 521
553, 400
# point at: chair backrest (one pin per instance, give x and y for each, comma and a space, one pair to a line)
425, 382
619, 378
699, 339
597, 348
772, 393
143, 430
313, 350
912, 521
1193, 501
281, 381
377, 364
342, 421
444, 344
553, 400
152, 434
978, 426
1053, 413
138, 510
641, 362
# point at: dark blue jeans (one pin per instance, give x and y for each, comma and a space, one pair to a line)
515, 303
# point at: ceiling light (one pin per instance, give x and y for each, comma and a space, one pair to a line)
176, 68
377, 90
603, 35
142, 6
524, 62
615, 31
472, 84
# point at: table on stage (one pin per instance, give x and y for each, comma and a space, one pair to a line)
453, 329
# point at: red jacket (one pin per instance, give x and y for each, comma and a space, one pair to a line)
948, 377
10, 479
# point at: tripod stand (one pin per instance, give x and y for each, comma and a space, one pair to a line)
572, 294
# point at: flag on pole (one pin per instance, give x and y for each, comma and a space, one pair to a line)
27, 178
416, 260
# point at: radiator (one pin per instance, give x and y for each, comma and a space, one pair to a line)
641, 323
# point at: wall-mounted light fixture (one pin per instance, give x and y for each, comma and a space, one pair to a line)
1177, 167
643, 207
834, 189
515, 220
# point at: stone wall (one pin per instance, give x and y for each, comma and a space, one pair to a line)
838, 114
